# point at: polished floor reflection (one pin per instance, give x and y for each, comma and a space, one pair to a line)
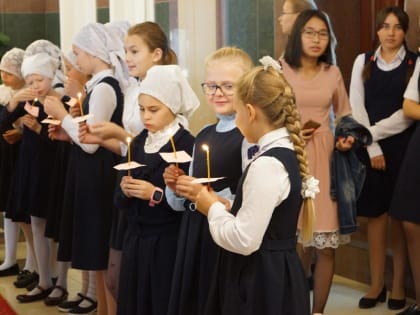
343, 299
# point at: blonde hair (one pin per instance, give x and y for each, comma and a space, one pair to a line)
231, 53
269, 91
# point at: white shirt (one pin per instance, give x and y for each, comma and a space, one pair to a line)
225, 124
392, 125
102, 104
265, 187
412, 90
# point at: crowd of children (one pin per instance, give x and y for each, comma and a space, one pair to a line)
235, 227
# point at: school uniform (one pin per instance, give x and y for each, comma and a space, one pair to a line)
406, 199
90, 182
197, 252
150, 242
383, 96
258, 270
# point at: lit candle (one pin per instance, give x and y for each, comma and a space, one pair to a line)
206, 148
35, 100
79, 96
128, 154
173, 148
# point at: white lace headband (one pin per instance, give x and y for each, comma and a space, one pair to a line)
268, 61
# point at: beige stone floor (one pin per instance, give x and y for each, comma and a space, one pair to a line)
343, 299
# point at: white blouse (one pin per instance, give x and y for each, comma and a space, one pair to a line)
266, 185
412, 91
392, 125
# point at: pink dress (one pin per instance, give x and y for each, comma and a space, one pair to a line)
314, 98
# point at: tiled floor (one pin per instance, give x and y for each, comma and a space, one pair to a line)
343, 298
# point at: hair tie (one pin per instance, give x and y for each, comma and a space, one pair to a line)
310, 187
268, 61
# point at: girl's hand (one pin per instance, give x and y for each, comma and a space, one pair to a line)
55, 108
170, 176
205, 199
307, 134
85, 136
32, 123
74, 111
57, 133
344, 143
105, 130
12, 136
226, 203
23, 95
73, 87
185, 188
378, 163
136, 188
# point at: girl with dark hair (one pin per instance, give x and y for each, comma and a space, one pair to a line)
309, 67
378, 82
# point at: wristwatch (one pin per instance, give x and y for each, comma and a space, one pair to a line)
156, 198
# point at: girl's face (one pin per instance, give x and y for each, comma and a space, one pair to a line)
287, 18
11, 80
40, 84
139, 57
154, 114
391, 35
74, 74
84, 61
221, 77
315, 38
242, 120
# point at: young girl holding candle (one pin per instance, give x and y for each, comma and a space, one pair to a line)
227, 153
9, 143
166, 100
258, 270
90, 178
309, 67
35, 159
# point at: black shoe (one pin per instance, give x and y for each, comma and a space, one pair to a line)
84, 309
25, 279
22, 274
53, 301
395, 304
411, 310
371, 302
66, 306
26, 298
11, 271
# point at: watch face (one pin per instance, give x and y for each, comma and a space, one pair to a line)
157, 195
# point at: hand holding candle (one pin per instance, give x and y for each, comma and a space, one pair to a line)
128, 154
206, 148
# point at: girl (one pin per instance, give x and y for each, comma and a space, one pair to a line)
36, 156
377, 86
290, 11
405, 203
12, 82
258, 270
196, 254
90, 176
150, 241
145, 45
317, 83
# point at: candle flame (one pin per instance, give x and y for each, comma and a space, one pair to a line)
128, 140
205, 147
79, 95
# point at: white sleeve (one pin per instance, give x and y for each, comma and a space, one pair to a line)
357, 101
102, 104
412, 91
390, 126
266, 185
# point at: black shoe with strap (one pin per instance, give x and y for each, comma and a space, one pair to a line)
79, 309
365, 302
66, 306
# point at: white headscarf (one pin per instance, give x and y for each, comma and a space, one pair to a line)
168, 85
94, 39
42, 64
45, 46
12, 61
119, 28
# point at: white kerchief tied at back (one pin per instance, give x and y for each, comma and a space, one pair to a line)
42, 64
12, 61
169, 86
97, 41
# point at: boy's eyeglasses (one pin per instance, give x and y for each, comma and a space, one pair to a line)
210, 88
311, 34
